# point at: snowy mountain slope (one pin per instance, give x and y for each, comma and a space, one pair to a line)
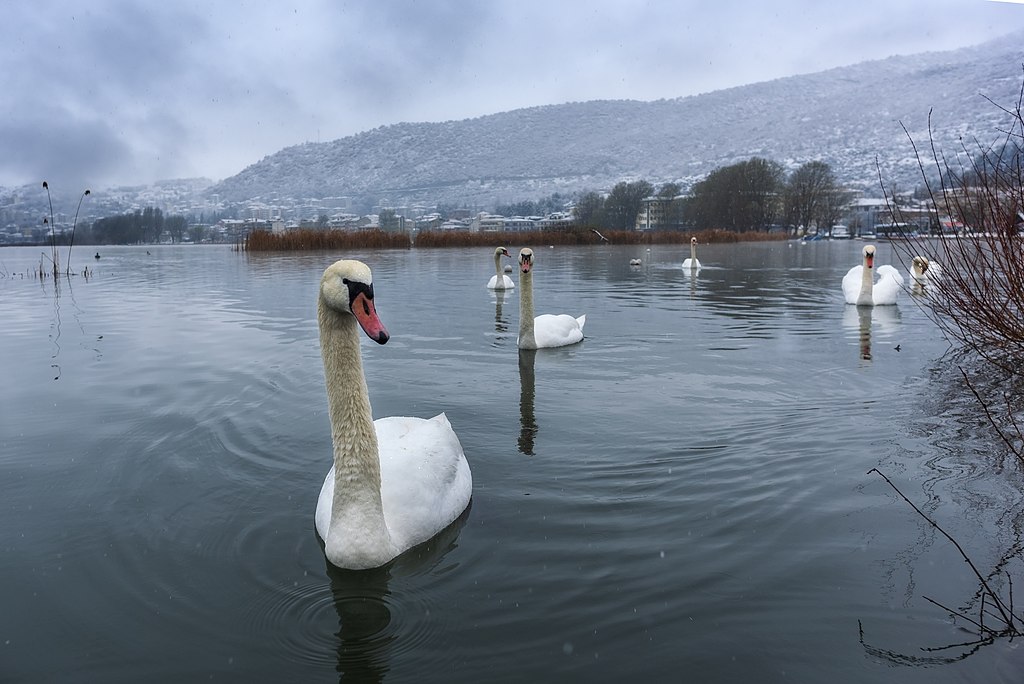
848, 117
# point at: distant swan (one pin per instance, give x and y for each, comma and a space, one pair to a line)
400, 480
923, 271
635, 262
692, 262
500, 281
546, 330
859, 287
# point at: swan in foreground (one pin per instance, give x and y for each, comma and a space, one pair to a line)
859, 287
546, 330
923, 271
692, 262
400, 480
500, 281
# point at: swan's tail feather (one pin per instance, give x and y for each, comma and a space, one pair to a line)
582, 320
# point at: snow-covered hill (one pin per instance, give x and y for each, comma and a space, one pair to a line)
849, 117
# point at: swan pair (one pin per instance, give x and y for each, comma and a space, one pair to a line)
860, 288
395, 482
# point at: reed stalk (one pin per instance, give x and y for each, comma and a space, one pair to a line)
53, 236
74, 225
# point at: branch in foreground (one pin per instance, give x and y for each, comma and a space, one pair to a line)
1008, 624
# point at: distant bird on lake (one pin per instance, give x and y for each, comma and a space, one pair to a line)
546, 330
97, 255
635, 262
692, 262
860, 288
603, 238
395, 482
500, 281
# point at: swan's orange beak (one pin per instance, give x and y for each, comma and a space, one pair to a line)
871, 260
366, 314
524, 264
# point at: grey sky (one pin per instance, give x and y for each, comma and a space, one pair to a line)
120, 92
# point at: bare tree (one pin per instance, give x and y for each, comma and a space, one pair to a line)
979, 298
812, 196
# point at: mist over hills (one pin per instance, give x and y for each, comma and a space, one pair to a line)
848, 117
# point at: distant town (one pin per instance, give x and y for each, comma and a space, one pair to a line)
174, 212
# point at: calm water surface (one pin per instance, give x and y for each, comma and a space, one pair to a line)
682, 496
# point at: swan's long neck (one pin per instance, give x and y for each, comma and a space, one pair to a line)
526, 337
357, 515
867, 277
497, 269
693, 252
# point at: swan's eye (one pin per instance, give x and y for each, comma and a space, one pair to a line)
356, 288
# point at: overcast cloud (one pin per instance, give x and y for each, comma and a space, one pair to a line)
119, 92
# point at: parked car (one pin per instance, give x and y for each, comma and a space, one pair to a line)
840, 232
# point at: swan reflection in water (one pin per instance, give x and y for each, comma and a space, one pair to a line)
527, 418
368, 634
885, 319
500, 321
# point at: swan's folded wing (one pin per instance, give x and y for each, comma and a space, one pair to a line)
889, 285
851, 284
425, 478
887, 271
557, 330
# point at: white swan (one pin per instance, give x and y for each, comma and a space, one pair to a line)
923, 271
400, 480
546, 330
500, 281
692, 262
859, 287
635, 262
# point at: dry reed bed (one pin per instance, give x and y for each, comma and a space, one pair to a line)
376, 239
306, 239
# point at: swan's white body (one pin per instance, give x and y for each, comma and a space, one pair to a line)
546, 330
923, 271
860, 288
395, 482
500, 281
692, 262
635, 262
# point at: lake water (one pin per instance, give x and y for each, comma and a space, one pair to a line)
684, 496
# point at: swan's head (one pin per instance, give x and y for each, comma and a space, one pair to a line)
693, 241
501, 251
919, 265
525, 259
869, 256
347, 288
